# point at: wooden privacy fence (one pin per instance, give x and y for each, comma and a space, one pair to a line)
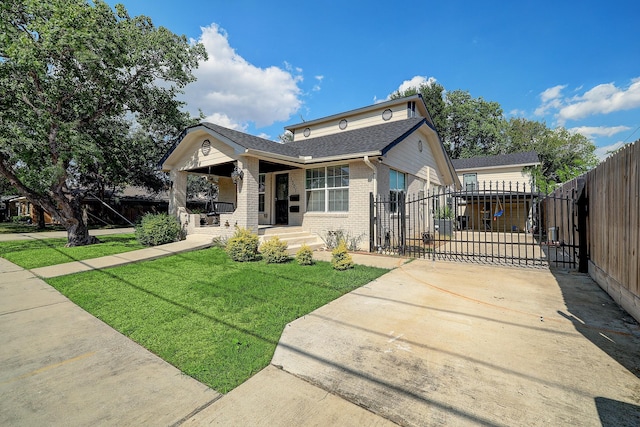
613, 225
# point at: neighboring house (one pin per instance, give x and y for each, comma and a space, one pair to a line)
119, 208
322, 180
8, 210
496, 191
21, 207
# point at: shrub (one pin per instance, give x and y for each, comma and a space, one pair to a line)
243, 246
158, 229
274, 251
304, 255
21, 218
340, 258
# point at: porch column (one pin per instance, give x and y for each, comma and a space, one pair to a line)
247, 209
177, 192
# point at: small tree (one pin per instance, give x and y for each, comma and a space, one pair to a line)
274, 251
243, 246
340, 258
304, 255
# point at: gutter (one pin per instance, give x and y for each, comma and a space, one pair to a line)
374, 181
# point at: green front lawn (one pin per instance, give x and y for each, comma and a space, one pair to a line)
41, 253
214, 319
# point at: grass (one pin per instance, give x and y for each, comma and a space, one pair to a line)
22, 227
44, 252
216, 320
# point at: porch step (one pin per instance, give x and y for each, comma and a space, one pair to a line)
294, 237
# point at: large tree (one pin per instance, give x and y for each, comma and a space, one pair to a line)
474, 127
563, 155
87, 100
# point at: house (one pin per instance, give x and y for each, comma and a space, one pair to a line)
321, 181
497, 191
119, 207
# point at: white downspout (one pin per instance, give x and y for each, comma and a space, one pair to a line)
374, 181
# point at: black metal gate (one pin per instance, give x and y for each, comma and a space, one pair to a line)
497, 223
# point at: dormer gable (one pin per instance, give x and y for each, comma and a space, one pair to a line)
383, 112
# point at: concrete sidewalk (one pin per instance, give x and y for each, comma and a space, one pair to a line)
60, 366
191, 243
5, 237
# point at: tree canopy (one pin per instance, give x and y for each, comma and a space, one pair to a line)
87, 101
470, 127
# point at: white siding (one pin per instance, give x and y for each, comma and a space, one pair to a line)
192, 156
355, 121
513, 175
406, 157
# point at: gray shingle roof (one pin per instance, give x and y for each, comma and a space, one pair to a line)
378, 138
253, 142
375, 138
525, 158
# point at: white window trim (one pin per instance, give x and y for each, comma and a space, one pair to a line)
326, 190
263, 193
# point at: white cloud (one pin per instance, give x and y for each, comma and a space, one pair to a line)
226, 121
317, 87
552, 93
415, 82
594, 131
517, 113
551, 99
604, 152
233, 92
602, 99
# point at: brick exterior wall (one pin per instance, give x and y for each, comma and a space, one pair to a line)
356, 220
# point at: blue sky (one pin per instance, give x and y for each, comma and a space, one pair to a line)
275, 63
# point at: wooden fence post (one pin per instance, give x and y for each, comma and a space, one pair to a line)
582, 207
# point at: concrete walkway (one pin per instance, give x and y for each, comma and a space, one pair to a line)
5, 237
426, 344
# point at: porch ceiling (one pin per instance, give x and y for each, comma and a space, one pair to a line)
225, 169
267, 167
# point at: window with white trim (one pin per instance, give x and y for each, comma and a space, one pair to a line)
397, 185
411, 109
327, 189
470, 181
261, 191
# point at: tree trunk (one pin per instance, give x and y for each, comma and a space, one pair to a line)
70, 213
40, 213
78, 234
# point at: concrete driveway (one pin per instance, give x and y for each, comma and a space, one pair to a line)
433, 344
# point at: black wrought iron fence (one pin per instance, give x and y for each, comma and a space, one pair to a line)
493, 222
